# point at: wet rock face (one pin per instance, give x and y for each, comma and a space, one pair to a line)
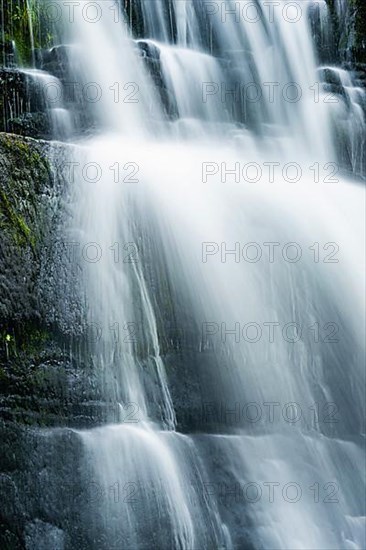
42, 536
55, 61
20, 94
27, 105
324, 28
42, 382
349, 17
150, 55
46, 374
31, 125
60, 62
31, 99
39, 509
27, 189
39, 383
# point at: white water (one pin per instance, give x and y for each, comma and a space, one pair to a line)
49, 89
30, 25
349, 117
168, 213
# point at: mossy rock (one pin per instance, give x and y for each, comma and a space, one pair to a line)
40, 382
21, 21
27, 212
27, 171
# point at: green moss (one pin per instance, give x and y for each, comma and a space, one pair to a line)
21, 20
27, 341
11, 220
34, 340
20, 213
25, 152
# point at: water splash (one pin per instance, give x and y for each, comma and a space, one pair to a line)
168, 214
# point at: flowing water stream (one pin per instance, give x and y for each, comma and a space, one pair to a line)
217, 212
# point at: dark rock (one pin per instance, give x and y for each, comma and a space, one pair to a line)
39, 509
43, 536
56, 61
324, 29
329, 75
8, 54
150, 55
350, 34
148, 49
46, 374
23, 104
25, 181
36, 125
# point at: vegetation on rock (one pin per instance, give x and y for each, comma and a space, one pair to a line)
24, 21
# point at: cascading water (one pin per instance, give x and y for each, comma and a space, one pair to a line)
222, 218
31, 33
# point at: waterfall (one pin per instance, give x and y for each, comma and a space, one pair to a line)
30, 25
222, 269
